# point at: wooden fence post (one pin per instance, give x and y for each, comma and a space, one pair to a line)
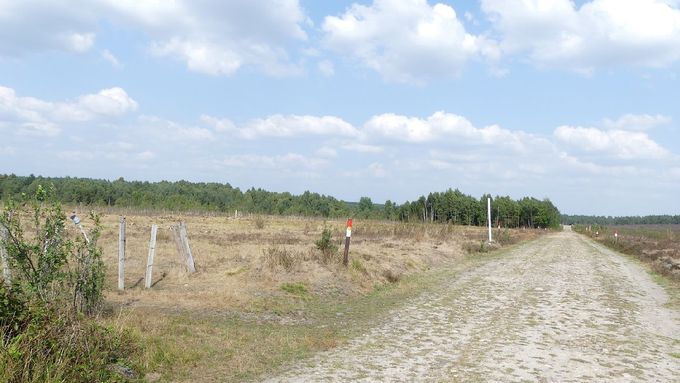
149, 260
121, 255
189, 258
6, 273
182, 244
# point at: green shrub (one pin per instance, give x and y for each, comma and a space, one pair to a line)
325, 243
47, 333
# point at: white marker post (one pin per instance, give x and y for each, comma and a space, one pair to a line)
348, 236
488, 215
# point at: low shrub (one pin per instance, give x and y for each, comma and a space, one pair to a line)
326, 246
47, 328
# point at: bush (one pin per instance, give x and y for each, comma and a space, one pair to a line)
259, 222
46, 328
325, 244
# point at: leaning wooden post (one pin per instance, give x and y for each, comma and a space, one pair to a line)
121, 255
149, 260
184, 236
6, 273
348, 236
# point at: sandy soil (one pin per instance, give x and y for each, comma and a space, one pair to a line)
558, 309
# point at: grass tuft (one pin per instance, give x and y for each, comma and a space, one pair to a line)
296, 288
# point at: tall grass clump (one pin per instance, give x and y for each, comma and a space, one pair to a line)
48, 308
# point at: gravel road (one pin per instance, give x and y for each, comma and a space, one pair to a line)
558, 309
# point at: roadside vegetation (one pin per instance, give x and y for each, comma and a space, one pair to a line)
268, 289
50, 300
657, 245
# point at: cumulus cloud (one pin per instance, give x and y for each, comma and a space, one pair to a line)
557, 33
219, 37
618, 143
406, 41
441, 125
294, 125
34, 116
173, 131
213, 37
284, 126
111, 58
30, 26
639, 122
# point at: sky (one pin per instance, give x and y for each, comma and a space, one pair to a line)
576, 101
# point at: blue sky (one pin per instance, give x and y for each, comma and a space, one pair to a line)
390, 99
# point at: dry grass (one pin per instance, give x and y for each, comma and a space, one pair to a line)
263, 294
658, 245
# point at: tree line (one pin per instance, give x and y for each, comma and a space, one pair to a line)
628, 220
451, 206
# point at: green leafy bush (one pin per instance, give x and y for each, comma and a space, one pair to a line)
47, 330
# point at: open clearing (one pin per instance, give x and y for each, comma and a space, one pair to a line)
558, 309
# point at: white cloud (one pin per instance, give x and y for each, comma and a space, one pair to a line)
108, 102
80, 42
173, 131
111, 58
30, 26
293, 125
40, 128
555, 33
213, 37
588, 167
219, 37
639, 122
619, 143
406, 41
441, 125
33, 116
220, 125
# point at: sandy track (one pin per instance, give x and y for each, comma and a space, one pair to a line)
559, 309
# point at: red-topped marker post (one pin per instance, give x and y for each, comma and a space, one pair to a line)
345, 260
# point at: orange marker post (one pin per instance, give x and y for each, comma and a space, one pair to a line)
345, 259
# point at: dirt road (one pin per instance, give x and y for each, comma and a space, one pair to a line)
559, 309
